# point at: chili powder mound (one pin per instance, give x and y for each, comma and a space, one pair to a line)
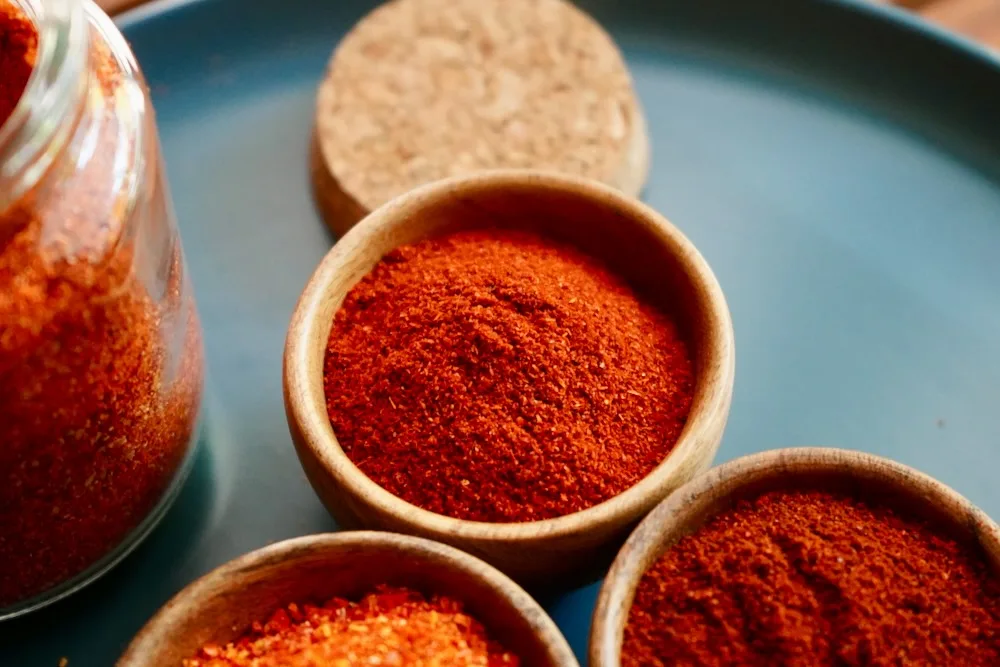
392, 626
100, 379
499, 376
815, 578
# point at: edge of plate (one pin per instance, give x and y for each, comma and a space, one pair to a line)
891, 15
913, 22
150, 10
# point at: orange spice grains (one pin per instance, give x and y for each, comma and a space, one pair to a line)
100, 347
814, 578
501, 376
391, 626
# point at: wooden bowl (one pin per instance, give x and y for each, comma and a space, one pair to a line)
912, 492
635, 241
220, 606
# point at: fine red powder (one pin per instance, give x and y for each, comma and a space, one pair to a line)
499, 376
814, 578
99, 380
18, 41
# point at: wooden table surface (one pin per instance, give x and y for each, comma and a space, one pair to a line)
978, 19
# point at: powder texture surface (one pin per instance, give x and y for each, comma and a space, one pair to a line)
498, 376
814, 578
392, 627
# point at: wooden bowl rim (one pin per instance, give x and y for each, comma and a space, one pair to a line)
306, 401
231, 575
672, 516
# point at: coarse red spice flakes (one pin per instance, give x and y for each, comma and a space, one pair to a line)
500, 376
815, 578
391, 627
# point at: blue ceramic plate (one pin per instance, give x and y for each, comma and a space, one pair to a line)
837, 163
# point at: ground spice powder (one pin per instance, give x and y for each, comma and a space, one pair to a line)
391, 626
499, 376
99, 380
815, 578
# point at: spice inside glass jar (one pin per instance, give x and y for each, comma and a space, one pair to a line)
100, 346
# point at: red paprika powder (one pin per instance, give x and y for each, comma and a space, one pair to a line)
815, 578
100, 346
500, 376
391, 626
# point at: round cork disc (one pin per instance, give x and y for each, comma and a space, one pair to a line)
425, 89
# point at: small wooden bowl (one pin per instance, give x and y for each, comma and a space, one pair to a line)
912, 492
220, 606
633, 240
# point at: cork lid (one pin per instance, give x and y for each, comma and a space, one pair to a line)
425, 89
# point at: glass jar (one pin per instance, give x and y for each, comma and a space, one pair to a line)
101, 362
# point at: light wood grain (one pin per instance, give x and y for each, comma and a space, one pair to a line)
220, 606
911, 492
634, 241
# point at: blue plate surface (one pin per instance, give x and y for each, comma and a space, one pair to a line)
837, 164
